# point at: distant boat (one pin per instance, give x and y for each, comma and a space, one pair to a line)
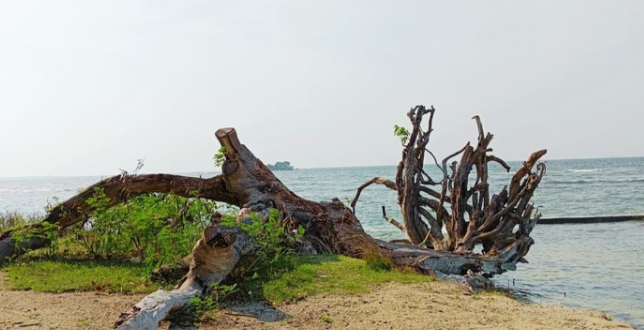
280, 166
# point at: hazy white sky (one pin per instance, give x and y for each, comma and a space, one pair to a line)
87, 87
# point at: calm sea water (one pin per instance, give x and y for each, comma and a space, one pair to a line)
593, 266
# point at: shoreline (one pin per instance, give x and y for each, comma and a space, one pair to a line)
441, 305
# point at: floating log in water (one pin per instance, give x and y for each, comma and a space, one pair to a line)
583, 220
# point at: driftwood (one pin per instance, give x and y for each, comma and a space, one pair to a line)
502, 223
467, 213
246, 182
213, 257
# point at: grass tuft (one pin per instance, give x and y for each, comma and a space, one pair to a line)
331, 274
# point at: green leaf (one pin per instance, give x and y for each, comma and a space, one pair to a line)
220, 156
401, 133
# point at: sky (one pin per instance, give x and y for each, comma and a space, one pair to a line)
89, 87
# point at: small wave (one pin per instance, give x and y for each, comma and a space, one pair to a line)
40, 190
567, 182
585, 170
5, 190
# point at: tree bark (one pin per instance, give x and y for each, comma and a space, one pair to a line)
214, 256
330, 227
501, 223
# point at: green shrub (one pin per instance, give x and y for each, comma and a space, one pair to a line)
273, 241
275, 245
154, 228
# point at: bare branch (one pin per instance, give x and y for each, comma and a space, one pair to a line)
377, 180
479, 126
515, 186
492, 158
392, 220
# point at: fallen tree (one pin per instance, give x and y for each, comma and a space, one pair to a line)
245, 182
501, 223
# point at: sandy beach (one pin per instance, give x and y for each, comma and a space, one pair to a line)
435, 305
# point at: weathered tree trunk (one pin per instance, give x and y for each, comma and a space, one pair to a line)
329, 227
213, 257
245, 182
501, 223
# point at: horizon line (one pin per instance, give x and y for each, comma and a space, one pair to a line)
216, 170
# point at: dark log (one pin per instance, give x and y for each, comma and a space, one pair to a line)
593, 219
10, 247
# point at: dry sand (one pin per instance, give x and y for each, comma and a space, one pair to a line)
437, 305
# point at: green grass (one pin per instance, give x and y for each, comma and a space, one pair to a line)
331, 274
82, 275
307, 275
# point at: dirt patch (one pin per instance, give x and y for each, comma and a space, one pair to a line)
84, 310
418, 306
424, 306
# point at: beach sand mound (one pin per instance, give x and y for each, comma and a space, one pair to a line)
436, 305
424, 306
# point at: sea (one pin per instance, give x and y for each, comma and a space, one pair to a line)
586, 266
